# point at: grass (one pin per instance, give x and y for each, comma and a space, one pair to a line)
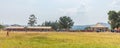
59, 40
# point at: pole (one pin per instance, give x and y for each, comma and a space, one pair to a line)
7, 33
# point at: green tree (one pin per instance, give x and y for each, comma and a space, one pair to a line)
65, 22
114, 19
47, 23
54, 25
32, 20
87, 28
118, 20
1, 26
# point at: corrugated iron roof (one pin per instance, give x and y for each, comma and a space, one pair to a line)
14, 27
98, 25
41, 27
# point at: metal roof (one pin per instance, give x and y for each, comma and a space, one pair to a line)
98, 25
11, 27
41, 27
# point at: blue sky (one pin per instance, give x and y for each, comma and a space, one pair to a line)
82, 12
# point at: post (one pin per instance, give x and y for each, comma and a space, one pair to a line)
7, 33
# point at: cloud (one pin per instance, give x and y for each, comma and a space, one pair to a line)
69, 11
115, 4
78, 13
81, 11
63, 1
74, 10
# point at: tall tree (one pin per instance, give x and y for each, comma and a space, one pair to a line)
118, 20
47, 23
114, 19
32, 20
65, 22
55, 25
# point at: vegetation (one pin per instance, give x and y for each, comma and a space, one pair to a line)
114, 19
54, 25
87, 28
1, 26
65, 22
59, 40
32, 20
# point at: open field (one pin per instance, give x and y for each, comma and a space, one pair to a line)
60, 40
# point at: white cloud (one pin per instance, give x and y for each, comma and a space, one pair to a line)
81, 11
69, 11
80, 8
62, 1
115, 4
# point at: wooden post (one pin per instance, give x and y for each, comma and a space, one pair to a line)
7, 33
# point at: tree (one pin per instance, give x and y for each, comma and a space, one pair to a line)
47, 23
87, 28
32, 20
1, 26
118, 20
65, 22
54, 25
25, 28
114, 19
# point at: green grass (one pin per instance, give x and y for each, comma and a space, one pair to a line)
60, 40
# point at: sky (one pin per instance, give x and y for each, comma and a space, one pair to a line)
83, 12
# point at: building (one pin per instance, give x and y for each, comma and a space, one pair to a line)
41, 28
22, 28
14, 28
99, 27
